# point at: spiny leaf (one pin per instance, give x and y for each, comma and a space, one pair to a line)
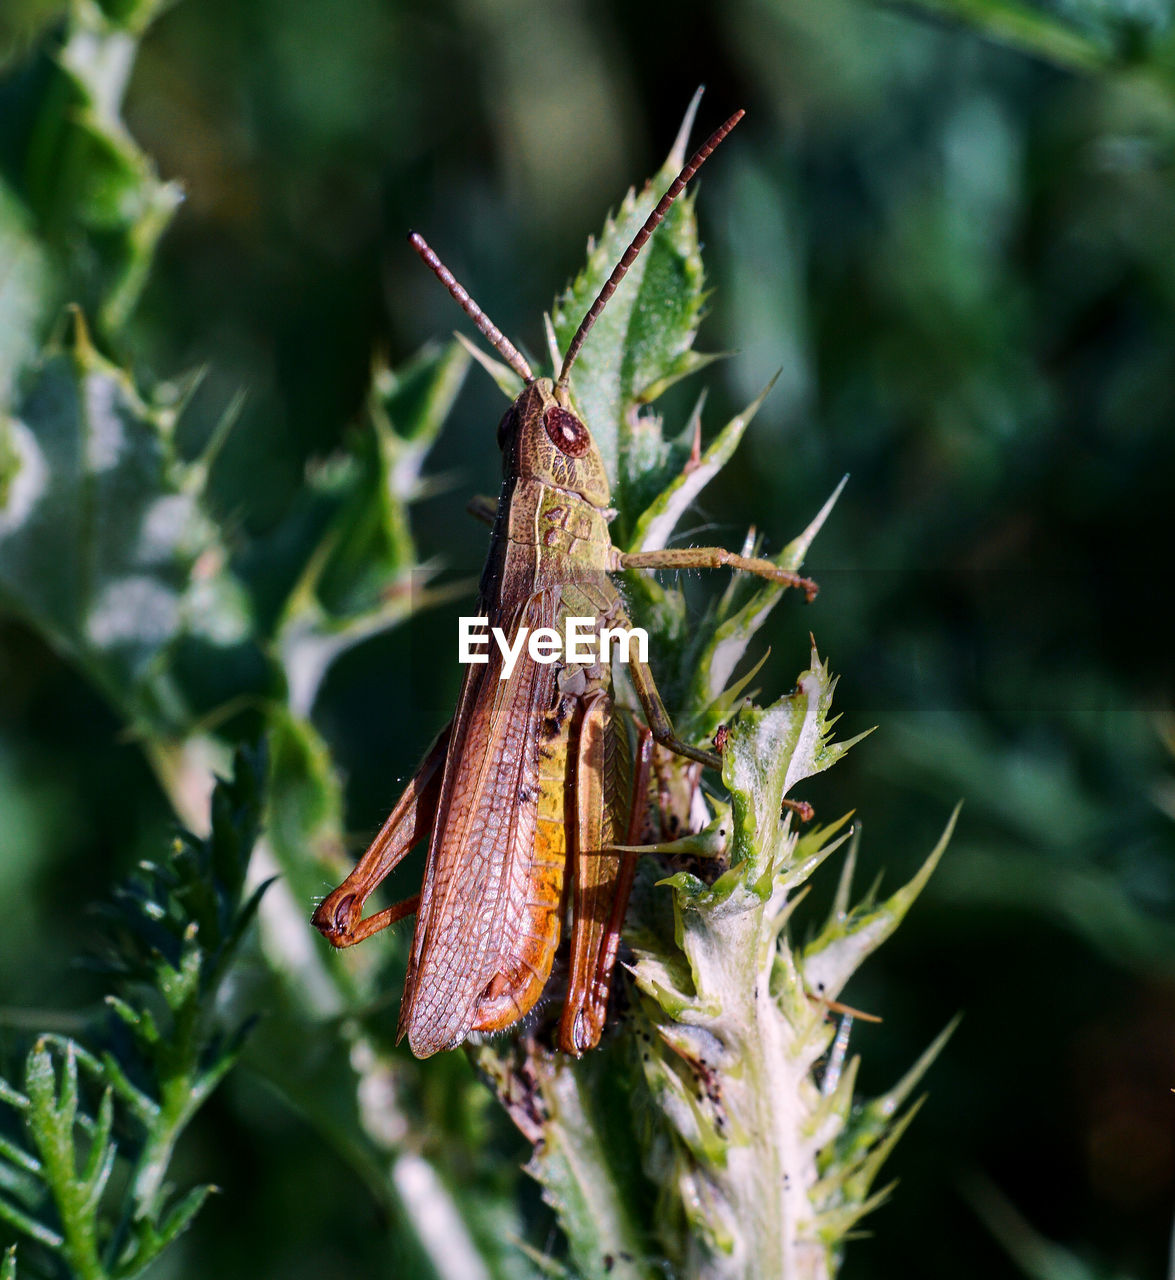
831, 958
834, 1224
86, 176
723, 644
371, 546
769, 752
360, 574
582, 1162
656, 524
880, 1110
27, 292
100, 541
642, 340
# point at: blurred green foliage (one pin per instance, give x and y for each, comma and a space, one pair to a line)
171, 935
950, 224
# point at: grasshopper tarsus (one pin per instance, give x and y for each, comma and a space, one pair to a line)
710, 759
334, 918
801, 808
339, 923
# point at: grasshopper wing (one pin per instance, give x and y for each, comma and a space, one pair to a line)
488, 921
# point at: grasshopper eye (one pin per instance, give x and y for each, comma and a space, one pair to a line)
566, 432
505, 427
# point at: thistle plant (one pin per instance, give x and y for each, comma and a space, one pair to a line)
717, 1131
758, 1158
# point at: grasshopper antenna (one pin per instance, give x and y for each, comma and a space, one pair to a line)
694, 163
485, 326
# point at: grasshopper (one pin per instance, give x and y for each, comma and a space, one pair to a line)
533, 796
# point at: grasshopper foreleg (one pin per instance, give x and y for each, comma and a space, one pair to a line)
338, 917
658, 720
717, 558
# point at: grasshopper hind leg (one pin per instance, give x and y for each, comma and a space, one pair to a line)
602, 881
339, 917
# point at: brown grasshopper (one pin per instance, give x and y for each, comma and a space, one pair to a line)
534, 782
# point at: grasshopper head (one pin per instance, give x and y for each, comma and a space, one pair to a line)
541, 437
545, 441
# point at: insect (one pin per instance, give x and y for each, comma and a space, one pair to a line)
528, 797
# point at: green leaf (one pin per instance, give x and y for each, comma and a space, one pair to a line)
371, 547
575, 1114
362, 576
656, 524
641, 342
104, 547
720, 644
27, 290
180, 1216
89, 183
1031, 30
840, 948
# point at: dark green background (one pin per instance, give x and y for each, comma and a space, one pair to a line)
962, 257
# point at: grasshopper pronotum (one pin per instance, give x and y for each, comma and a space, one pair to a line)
532, 777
